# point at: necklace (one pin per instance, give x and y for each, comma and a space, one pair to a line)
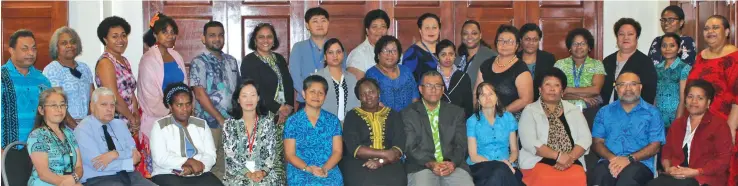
497, 60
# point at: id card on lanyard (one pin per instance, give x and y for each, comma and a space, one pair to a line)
577, 79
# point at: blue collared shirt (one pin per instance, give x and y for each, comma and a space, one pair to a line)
306, 58
627, 133
27, 89
91, 141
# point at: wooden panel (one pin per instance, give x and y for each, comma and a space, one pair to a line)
696, 16
189, 43
190, 16
347, 20
41, 17
279, 14
283, 23
490, 15
555, 42
556, 19
188, 2
404, 16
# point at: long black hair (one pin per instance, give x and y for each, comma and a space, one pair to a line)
463, 51
499, 108
236, 111
161, 22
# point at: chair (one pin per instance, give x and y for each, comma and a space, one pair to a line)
17, 160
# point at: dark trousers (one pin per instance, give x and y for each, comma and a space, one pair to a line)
668, 180
495, 173
120, 179
206, 179
635, 173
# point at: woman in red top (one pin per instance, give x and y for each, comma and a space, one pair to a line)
696, 150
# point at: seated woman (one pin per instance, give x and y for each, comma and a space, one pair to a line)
491, 132
697, 146
182, 147
51, 144
555, 136
457, 83
312, 139
250, 140
374, 141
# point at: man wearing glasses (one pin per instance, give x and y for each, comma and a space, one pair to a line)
432, 160
627, 134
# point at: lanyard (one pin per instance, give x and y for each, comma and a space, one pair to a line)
252, 137
577, 77
316, 62
432, 55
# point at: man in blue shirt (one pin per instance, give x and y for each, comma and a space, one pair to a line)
21, 85
107, 147
627, 134
306, 56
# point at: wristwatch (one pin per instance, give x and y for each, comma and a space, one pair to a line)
304, 169
381, 161
76, 178
631, 158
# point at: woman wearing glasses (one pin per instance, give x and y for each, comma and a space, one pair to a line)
672, 21
584, 75
72, 76
398, 83
628, 58
507, 72
51, 144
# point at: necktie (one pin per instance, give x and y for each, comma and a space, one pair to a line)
108, 139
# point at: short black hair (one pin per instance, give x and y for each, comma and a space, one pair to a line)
553, 72
252, 38
18, 34
174, 89
426, 16
444, 44
674, 36
316, 11
109, 22
704, 85
509, 29
314, 79
725, 21
236, 111
211, 24
580, 32
371, 81
330, 43
529, 27
627, 21
628, 71
159, 25
676, 10
433, 73
383, 42
374, 15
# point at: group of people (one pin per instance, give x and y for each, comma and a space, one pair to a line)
476, 114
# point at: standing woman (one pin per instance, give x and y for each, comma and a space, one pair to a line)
75, 78
672, 21
312, 140
52, 146
398, 83
457, 82
269, 69
672, 74
493, 142
250, 141
376, 24
375, 139
584, 75
537, 60
628, 58
419, 57
473, 51
338, 99
507, 72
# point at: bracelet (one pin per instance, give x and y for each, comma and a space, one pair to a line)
304, 169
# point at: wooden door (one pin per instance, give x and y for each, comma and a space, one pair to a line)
696, 14
490, 15
41, 17
557, 18
404, 17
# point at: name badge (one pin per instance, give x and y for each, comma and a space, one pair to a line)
251, 165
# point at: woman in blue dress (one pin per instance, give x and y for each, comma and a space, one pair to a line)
398, 83
312, 139
672, 78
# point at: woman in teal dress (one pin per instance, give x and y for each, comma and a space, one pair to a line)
51, 144
672, 78
313, 144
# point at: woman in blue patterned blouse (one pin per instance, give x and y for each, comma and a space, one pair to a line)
250, 141
313, 145
398, 83
672, 78
52, 146
672, 21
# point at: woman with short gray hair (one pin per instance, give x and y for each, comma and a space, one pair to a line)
74, 77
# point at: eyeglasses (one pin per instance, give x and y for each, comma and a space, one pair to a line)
393, 51
668, 20
579, 44
506, 41
432, 86
628, 84
57, 106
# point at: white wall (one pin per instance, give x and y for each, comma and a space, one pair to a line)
85, 16
647, 13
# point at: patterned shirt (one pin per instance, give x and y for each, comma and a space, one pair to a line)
62, 155
396, 93
77, 89
667, 98
433, 118
628, 132
219, 78
687, 51
240, 158
25, 89
584, 75
722, 72
125, 82
314, 145
493, 141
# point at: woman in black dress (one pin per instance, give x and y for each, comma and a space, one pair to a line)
508, 73
373, 141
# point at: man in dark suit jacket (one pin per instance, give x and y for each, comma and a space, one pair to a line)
436, 144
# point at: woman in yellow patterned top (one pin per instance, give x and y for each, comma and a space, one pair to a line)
373, 139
